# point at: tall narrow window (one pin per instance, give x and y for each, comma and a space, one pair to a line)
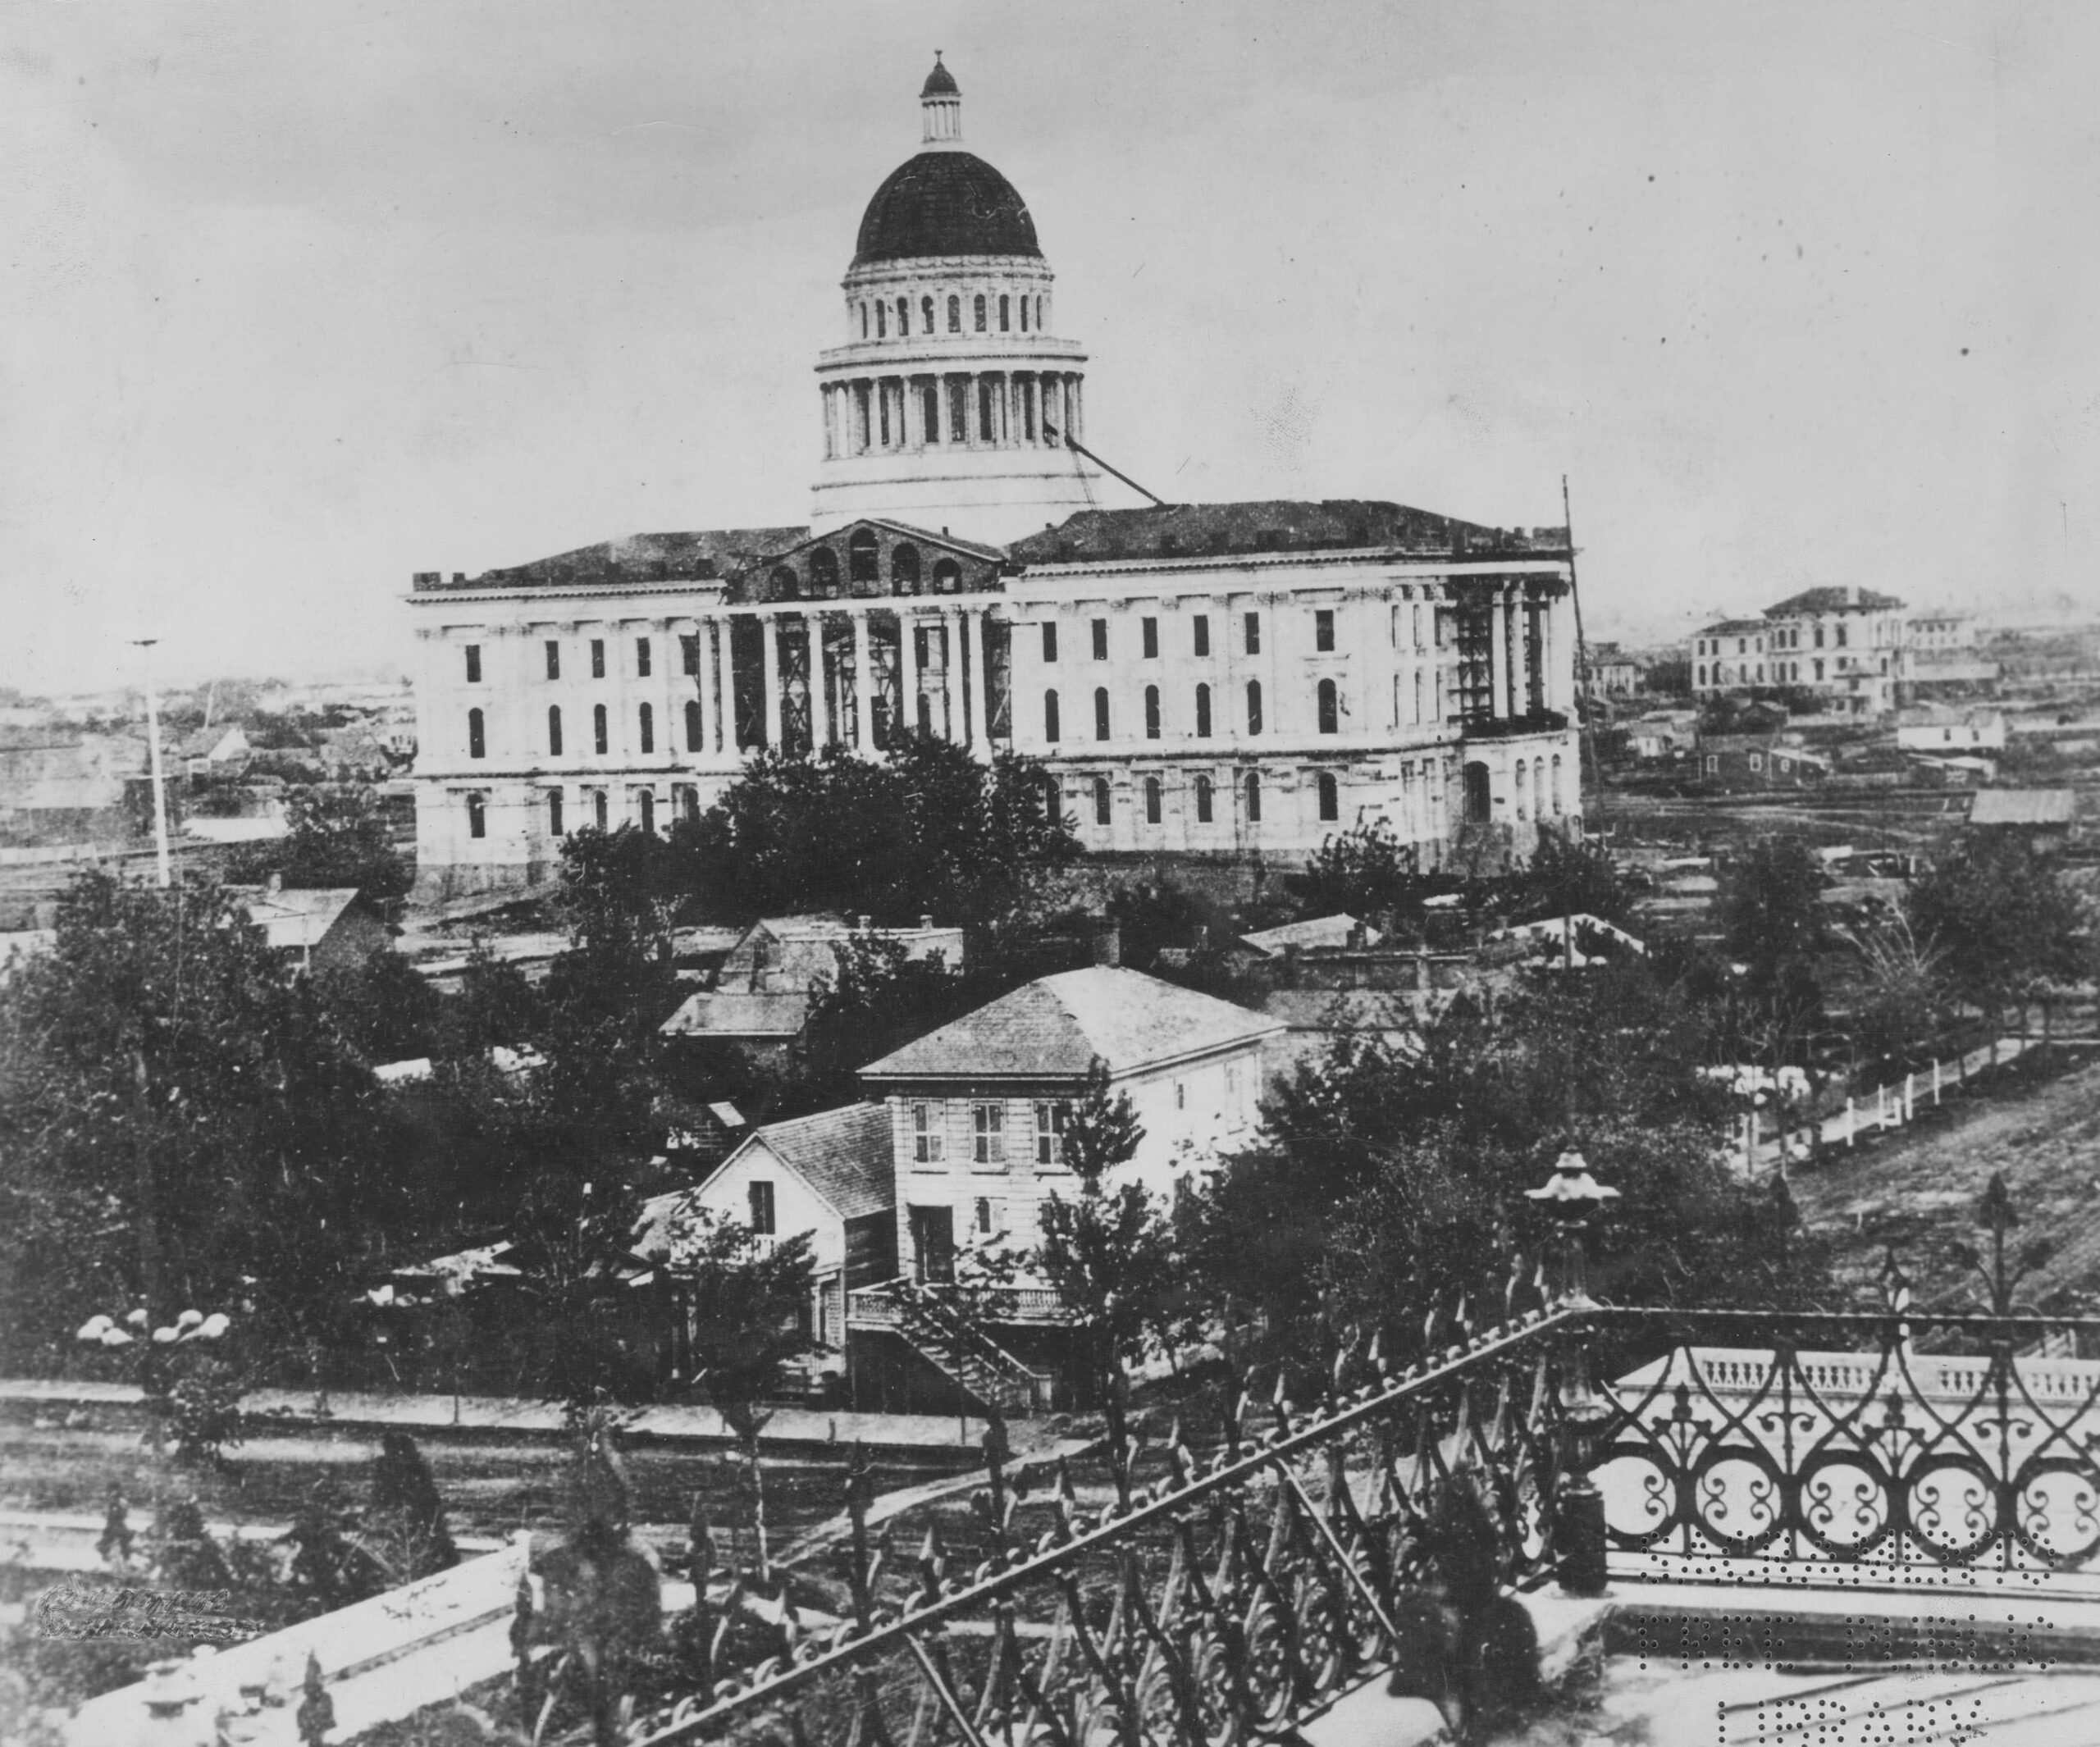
554, 731
1254, 706
689, 655
1202, 712
1421, 680
1004, 322
1152, 712
1557, 807
599, 738
597, 658
987, 1133
1254, 796
1024, 315
647, 799
1100, 713
979, 311
926, 313
903, 317
473, 664
553, 659
1100, 639
1049, 640
1100, 801
882, 320
1323, 630
1050, 717
1330, 710
955, 315
1149, 630
477, 739
646, 720
1331, 806
1152, 801
1051, 1117
1203, 802
1254, 633
761, 1204
692, 725
477, 816
641, 658
1202, 624
553, 812
599, 809
926, 1136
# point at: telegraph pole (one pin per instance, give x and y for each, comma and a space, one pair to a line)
1583, 737
154, 751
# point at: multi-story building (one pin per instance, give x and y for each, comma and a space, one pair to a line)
1856, 652
1234, 679
1727, 656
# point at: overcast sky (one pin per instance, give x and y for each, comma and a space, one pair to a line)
300, 299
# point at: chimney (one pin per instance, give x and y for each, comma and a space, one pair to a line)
458, 577
926, 923
1107, 944
1357, 940
863, 923
277, 884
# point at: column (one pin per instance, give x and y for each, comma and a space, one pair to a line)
859, 412
915, 411
703, 647
722, 725
952, 640
1079, 407
864, 686
770, 623
980, 730
907, 662
830, 422
1498, 657
820, 692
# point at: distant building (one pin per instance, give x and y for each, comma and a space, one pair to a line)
1729, 656
214, 749
1751, 761
1611, 672
2044, 816
317, 927
71, 788
1930, 729
1856, 652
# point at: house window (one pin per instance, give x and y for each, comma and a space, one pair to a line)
1100, 801
1330, 712
692, 727
689, 656
1254, 796
1152, 801
1050, 717
597, 658
476, 739
641, 658
1152, 712
1254, 633
646, 719
554, 731
553, 659
599, 737
926, 1136
1330, 796
1203, 633
1101, 639
1100, 713
1202, 712
988, 1130
1323, 630
1254, 706
1049, 640
761, 1195
473, 664
1051, 1117
990, 1217
1202, 800
1149, 629
477, 816
553, 812
1180, 1095
598, 809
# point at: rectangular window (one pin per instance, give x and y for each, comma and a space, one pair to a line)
926, 1137
1202, 800
1150, 629
477, 816
473, 664
597, 658
689, 655
641, 658
1152, 801
990, 1217
1254, 633
1050, 1119
1202, 623
1101, 639
987, 1123
1323, 630
1049, 640
553, 812
1180, 1095
762, 1209
1254, 796
553, 659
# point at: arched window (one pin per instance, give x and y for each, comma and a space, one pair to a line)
1330, 712
646, 719
553, 732
598, 809
1152, 712
863, 556
1479, 794
1203, 800
955, 315
1330, 800
477, 816
1152, 801
904, 568
823, 572
1254, 796
598, 735
864, 318
1005, 316
553, 812
882, 320
979, 311
692, 725
1024, 315
783, 584
647, 799
1050, 717
1517, 789
1038, 315
903, 317
1202, 712
1100, 713
476, 739
926, 314
1558, 805
948, 576
1100, 801
1254, 706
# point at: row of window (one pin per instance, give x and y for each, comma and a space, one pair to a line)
1327, 708
987, 1133
644, 658
1326, 787
1786, 637
878, 313
685, 801
1323, 635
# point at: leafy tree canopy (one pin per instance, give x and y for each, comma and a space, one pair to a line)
1998, 918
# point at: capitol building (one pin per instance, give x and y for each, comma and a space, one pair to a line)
1223, 680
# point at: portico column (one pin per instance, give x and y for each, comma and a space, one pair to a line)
1498, 657
951, 647
863, 688
721, 727
907, 658
702, 653
770, 624
981, 734
820, 692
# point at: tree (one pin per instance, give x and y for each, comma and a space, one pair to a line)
1568, 876
878, 999
1367, 871
404, 1527
1101, 1131
1999, 919
1770, 904
337, 834
386, 1007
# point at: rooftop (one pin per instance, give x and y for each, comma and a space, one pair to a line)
1850, 600
296, 917
703, 556
1274, 525
1317, 931
2023, 806
944, 203
1733, 627
843, 1154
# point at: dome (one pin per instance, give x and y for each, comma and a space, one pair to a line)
940, 82
944, 203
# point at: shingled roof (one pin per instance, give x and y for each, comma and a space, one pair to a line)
843, 1154
1849, 599
1057, 1027
634, 558
1274, 525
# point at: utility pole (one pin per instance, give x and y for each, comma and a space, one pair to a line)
1583, 737
154, 751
